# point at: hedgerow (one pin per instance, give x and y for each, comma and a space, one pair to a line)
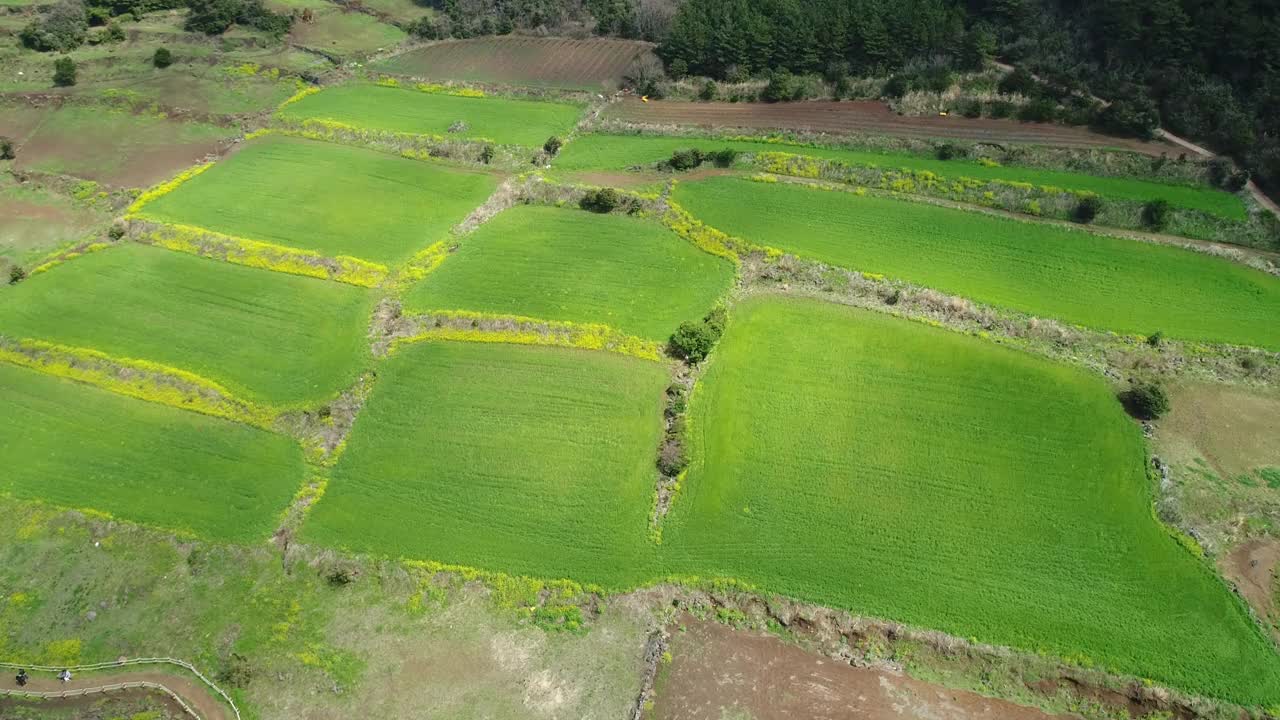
64, 255
422, 264
258, 254
139, 379
165, 188
466, 326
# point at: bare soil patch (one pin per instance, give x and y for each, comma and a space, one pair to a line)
1252, 568
595, 64
140, 167
717, 672
866, 116
1233, 428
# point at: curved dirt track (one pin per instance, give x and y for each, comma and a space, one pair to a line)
194, 694
867, 116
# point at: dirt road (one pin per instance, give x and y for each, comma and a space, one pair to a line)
192, 692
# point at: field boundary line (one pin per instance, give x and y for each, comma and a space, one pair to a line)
203, 242
1253, 258
469, 326
137, 661
139, 379
164, 188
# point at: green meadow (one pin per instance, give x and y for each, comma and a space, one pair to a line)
333, 199
282, 339
558, 264
857, 460
508, 122
617, 152
525, 460
81, 447
1080, 277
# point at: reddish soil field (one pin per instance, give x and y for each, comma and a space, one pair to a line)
867, 117
719, 673
595, 64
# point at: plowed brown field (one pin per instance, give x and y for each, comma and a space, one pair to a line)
596, 64
867, 117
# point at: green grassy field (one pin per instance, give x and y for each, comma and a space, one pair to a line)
616, 152
858, 460
556, 264
333, 199
514, 122
35, 222
279, 338
346, 34
81, 447
518, 459
1108, 283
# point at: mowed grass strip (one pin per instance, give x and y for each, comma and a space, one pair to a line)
266, 336
572, 265
333, 199
81, 447
617, 152
535, 461
1076, 276
509, 122
857, 460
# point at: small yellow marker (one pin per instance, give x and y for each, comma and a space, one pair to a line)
644, 98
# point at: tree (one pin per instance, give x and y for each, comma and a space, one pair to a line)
163, 58
600, 200
64, 72
1145, 401
1136, 117
1087, 209
552, 145
7, 150
65, 27
1155, 214
692, 341
978, 48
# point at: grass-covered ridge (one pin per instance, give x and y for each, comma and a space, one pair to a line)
572, 265
906, 472
617, 152
266, 336
333, 199
72, 445
1076, 276
405, 110
525, 460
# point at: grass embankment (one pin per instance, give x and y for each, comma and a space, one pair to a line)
522, 460
333, 199
617, 152
76, 446
406, 110
266, 336
556, 264
1076, 276
856, 460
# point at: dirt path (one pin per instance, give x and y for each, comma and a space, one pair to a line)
717, 672
192, 692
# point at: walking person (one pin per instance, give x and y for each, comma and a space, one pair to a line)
65, 675
22, 677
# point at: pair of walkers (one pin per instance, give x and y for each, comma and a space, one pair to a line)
22, 677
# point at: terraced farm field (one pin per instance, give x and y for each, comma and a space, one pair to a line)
81, 447
1102, 282
902, 471
573, 265
512, 122
334, 199
592, 64
523, 460
265, 336
346, 34
616, 152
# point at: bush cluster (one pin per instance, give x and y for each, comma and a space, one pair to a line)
7, 149
693, 341
601, 200
692, 158
1087, 209
672, 457
1145, 401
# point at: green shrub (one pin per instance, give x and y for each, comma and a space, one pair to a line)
1145, 401
708, 91
64, 27
17, 274
1041, 110
601, 200
163, 58
672, 458
1155, 214
948, 151
968, 107
1019, 82
7, 150
1137, 117
689, 159
782, 86
1155, 339
723, 158
1087, 209
693, 341
552, 145
896, 86
1000, 109
64, 72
